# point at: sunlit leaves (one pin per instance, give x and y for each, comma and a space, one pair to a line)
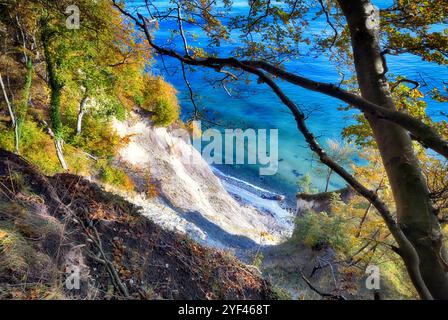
416, 27
408, 99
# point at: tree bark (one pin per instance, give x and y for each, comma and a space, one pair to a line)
60, 153
8, 103
55, 98
422, 259
327, 182
81, 112
14, 121
415, 213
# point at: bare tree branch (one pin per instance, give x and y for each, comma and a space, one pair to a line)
319, 292
422, 132
327, 17
425, 133
395, 85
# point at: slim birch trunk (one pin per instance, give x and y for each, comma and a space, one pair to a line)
8, 103
81, 112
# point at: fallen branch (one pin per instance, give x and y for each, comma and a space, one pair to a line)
322, 294
116, 281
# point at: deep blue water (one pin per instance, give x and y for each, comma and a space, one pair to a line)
255, 106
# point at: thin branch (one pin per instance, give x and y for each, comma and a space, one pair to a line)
423, 133
327, 16
395, 85
421, 130
191, 93
319, 292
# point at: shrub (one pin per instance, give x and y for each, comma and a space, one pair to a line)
279, 293
35, 145
97, 137
317, 230
165, 112
14, 250
160, 98
115, 177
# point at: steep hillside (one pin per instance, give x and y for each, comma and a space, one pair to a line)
193, 199
51, 225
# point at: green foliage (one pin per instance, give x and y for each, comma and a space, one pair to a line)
109, 107
341, 153
304, 184
257, 259
114, 176
53, 59
102, 61
407, 28
279, 293
97, 138
160, 98
165, 112
317, 230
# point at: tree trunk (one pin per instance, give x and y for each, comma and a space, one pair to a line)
14, 121
16, 138
60, 153
82, 110
55, 98
327, 182
10, 110
22, 109
415, 213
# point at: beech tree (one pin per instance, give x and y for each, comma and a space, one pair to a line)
99, 63
362, 36
24, 47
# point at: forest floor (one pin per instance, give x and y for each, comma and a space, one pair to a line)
54, 228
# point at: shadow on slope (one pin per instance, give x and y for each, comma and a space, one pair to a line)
51, 225
217, 233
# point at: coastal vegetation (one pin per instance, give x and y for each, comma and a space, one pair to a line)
363, 36
63, 88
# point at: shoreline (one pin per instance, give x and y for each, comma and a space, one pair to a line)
243, 178
265, 201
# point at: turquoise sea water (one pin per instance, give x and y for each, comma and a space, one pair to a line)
255, 106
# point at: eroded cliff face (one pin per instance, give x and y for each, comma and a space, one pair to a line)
321, 202
190, 198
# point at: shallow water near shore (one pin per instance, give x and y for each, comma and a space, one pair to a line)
255, 106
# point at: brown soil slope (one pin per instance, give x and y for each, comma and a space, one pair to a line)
53, 225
